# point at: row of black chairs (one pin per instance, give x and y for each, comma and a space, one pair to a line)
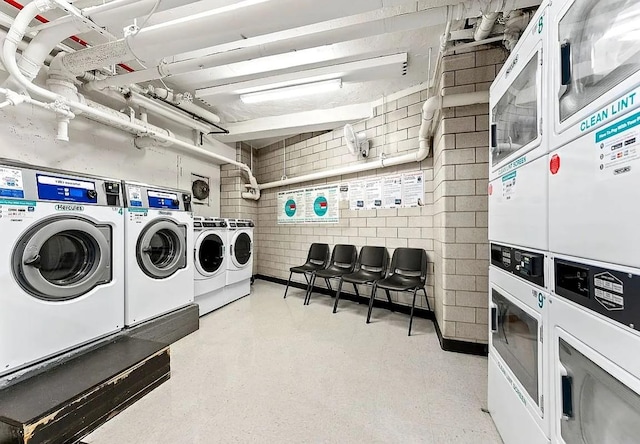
407, 271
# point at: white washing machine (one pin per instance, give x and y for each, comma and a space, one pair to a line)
158, 251
518, 390
62, 273
240, 261
595, 165
210, 258
518, 168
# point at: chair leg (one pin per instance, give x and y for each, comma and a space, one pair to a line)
335, 304
426, 298
288, 282
389, 299
371, 298
307, 297
415, 291
328, 281
355, 287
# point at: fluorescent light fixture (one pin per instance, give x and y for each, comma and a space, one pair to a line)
289, 92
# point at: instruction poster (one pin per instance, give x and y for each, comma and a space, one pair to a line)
309, 205
413, 189
373, 194
356, 195
392, 191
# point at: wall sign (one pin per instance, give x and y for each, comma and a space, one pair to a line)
309, 205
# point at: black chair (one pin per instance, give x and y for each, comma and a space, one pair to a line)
317, 259
408, 272
343, 261
370, 267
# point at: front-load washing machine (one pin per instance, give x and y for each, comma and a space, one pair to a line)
594, 179
518, 388
210, 258
240, 261
517, 166
158, 251
62, 273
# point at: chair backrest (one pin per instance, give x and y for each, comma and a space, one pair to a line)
409, 262
344, 256
373, 259
318, 254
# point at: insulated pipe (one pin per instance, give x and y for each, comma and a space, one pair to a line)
195, 32
181, 101
91, 109
485, 26
429, 110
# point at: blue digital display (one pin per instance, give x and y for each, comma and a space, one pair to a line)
9, 192
162, 202
65, 189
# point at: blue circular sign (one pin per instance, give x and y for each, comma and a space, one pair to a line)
320, 206
290, 208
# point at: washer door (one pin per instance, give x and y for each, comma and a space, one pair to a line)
63, 258
241, 249
162, 248
209, 251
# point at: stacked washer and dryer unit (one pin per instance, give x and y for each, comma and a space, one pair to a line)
565, 269
224, 261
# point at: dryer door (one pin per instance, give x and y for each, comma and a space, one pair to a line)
241, 249
162, 248
63, 258
596, 407
209, 251
598, 50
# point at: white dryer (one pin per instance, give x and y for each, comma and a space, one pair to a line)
62, 278
158, 251
595, 368
210, 258
595, 164
517, 163
240, 261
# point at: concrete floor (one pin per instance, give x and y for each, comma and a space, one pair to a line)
269, 370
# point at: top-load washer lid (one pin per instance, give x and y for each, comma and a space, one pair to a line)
241, 249
209, 253
63, 257
162, 248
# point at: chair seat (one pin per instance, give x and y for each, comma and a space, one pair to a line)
332, 272
400, 283
362, 277
306, 268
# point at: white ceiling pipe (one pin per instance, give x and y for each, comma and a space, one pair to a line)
483, 30
15, 34
180, 100
213, 27
429, 111
311, 36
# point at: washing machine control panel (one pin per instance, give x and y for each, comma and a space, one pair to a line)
526, 264
612, 293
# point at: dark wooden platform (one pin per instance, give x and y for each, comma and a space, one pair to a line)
74, 398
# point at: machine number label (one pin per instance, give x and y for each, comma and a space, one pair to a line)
540, 24
11, 184
618, 148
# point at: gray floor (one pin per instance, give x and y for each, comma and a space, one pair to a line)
269, 370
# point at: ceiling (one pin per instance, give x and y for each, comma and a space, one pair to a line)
376, 47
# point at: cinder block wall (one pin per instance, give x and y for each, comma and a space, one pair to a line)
452, 224
461, 157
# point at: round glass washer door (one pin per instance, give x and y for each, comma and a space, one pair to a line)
209, 253
63, 258
241, 249
161, 249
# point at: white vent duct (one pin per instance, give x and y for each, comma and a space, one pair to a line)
214, 27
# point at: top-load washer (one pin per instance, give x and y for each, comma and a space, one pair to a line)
158, 251
210, 258
517, 161
594, 180
62, 278
240, 260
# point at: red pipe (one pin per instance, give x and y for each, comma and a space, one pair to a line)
76, 39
